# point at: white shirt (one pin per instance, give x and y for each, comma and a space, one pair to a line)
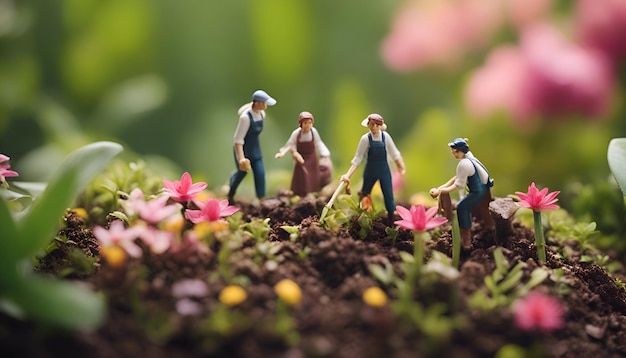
364, 144
465, 169
306, 137
244, 122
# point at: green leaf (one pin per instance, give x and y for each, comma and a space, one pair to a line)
617, 161
8, 235
77, 170
61, 303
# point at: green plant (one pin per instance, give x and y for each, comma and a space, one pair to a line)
616, 155
21, 290
258, 229
505, 284
293, 231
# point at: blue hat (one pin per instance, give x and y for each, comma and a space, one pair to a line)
459, 144
262, 96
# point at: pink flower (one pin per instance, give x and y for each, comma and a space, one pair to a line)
210, 210
538, 311
118, 235
157, 240
4, 168
538, 200
156, 210
418, 219
183, 190
134, 203
602, 25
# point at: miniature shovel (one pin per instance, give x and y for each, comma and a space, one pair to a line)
332, 199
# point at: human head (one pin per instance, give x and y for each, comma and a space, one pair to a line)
262, 96
459, 144
305, 115
376, 118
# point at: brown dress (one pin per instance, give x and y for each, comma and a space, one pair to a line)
306, 177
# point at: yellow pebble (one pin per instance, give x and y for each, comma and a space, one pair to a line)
288, 291
375, 297
114, 255
232, 295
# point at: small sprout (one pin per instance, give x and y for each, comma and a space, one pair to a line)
293, 232
232, 295
288, 291
375, 297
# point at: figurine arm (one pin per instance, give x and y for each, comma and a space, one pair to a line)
400, 165
321, 147
346, 177
446, 188
289, 146
244, 163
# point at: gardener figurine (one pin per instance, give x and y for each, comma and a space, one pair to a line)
471, 172
378, 146
304, 143
247, 148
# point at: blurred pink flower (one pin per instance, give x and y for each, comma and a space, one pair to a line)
565, 78
397, 181
118, 235
134, 203
425, 34
602, 25
190, 287
538, 200
5, 171
157, 210
546, 76
157, 240
538, 311
210, 210
183, 190
418, 219
524, 13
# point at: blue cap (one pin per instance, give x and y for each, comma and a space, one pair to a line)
262, 96
459, 144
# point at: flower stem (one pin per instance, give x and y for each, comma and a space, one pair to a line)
539, 239
419, 248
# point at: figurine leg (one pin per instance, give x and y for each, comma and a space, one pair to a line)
466, 238
235, 179
258, 169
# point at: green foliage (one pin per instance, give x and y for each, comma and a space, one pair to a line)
617, 161
504, 284
293, 231
66, 304
258, 229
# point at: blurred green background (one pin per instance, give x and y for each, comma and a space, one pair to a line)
165, 78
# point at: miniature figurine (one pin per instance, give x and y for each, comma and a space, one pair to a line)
304, 144
378, 146
472, 173
247, 148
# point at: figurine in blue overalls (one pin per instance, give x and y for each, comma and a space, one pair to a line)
472, 173
377, 146
247, 148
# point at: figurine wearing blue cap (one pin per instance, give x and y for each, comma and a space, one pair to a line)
377, 145
472, 173
247, 148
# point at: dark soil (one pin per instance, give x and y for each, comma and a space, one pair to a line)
332, 320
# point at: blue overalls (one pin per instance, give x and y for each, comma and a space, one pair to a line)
252, 151
377, 168
477, 191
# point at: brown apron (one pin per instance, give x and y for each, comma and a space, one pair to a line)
306, 177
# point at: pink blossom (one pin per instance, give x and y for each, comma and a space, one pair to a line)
210, 210
134, 203
183, 190
564, 78
426, 33
190, 288
538, 311
546, 76
538, 200
5, 171
120, 236
418, 219
523, 13
157, 240
602, 25
157, 210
